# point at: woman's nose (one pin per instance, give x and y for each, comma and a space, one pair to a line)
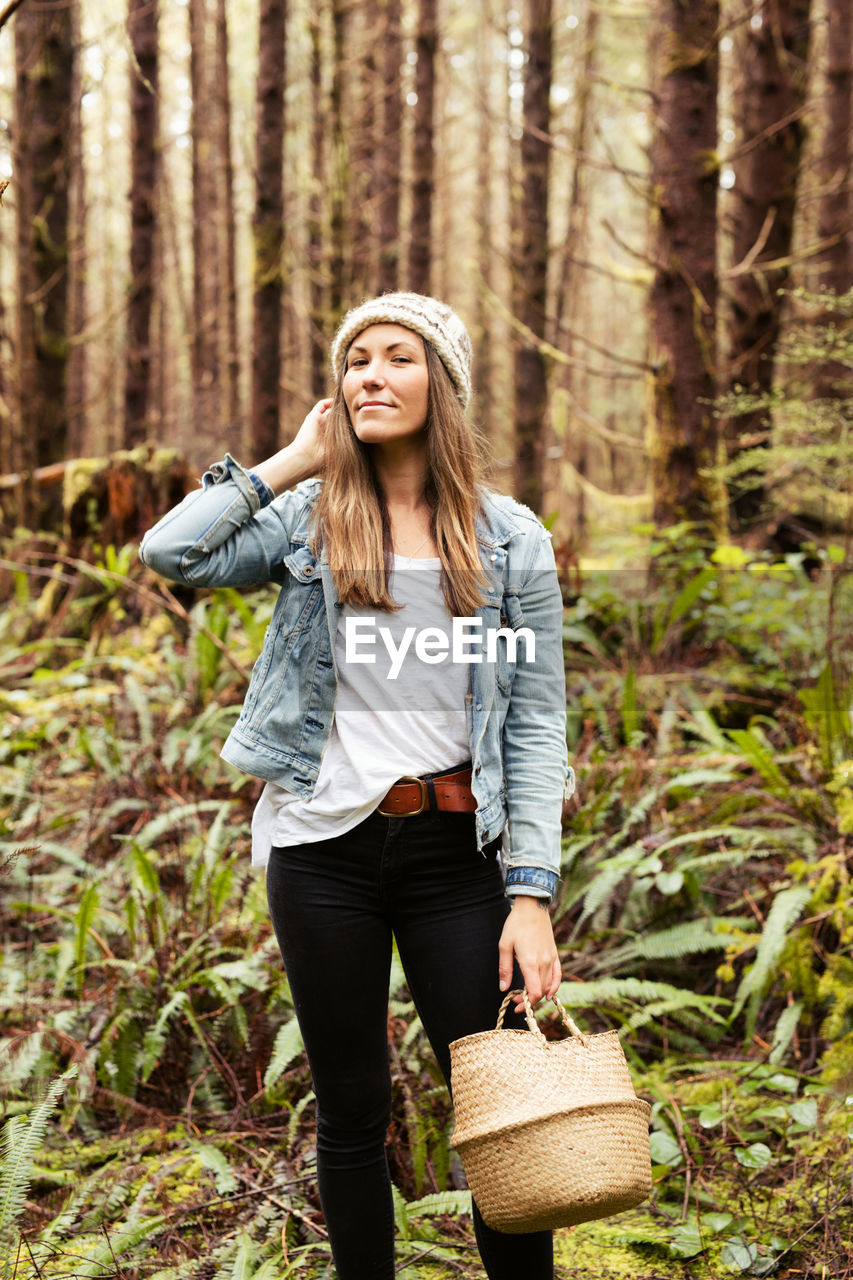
372, 374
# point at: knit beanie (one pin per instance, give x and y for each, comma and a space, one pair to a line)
432, 319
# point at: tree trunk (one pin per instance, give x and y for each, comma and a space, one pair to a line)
268, 230
390, 149
364, 182
684, 291
572, 293
769, 105
145, 165
315, 220
420, 246
531, 385
44, 57
482, 335
207, 400
76, 394
338, 264
834, 165
228, 219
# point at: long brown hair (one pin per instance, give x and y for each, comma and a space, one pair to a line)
351, 518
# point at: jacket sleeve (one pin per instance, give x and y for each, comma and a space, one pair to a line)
538, 777
232, 532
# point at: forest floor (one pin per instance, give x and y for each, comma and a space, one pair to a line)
157, 1103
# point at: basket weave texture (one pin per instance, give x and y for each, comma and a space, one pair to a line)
550, 1133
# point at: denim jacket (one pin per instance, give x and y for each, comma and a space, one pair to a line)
233, 532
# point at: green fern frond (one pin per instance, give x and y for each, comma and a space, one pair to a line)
632, 991
455, 1202
21, 1139
786, 909
693, 938
288, 1046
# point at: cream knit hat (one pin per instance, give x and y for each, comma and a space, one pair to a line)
433, 320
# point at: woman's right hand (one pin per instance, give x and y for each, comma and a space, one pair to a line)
303, 457
308, 443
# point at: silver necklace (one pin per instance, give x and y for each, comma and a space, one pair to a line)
417, 548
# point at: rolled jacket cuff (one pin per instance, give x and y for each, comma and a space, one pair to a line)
263, 490
250, 485
534, 882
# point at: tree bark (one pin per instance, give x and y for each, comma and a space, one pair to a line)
145, 166
770, 133
207, 399
834, 165
228, 218
76, 390
423, 178
363, 185
44, 56
390, 154
531, 384
684, 291
315, 219
338, 258
268, 230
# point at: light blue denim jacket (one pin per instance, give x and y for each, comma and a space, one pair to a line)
233, 532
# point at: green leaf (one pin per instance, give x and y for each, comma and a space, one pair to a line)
669, 882
756, 1156
804, 1112
664, 1149
737, 1255
685, 1242
716, 1222
711, 1115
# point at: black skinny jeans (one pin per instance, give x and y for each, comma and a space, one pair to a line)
334, 906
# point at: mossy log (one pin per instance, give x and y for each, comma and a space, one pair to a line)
114, 498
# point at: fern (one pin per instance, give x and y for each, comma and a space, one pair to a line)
288, 1045
455, 1202
20, 1140
622, 991
786, 909
696, 936
216, 1161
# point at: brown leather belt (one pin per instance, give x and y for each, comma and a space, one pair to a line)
450, 792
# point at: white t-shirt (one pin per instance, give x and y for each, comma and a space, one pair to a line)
396, 714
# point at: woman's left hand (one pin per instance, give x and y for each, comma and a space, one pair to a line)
528, 935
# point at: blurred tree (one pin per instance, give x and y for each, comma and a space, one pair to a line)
389, 147
227, 219
316, 256
835, 174
420, 246
684, 292
531, 384
769, 105
207, 394
44, 58
268, 229
142, 24
338, 195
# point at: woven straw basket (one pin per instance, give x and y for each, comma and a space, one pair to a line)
550, 1133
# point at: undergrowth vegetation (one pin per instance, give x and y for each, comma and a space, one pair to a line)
157, 1102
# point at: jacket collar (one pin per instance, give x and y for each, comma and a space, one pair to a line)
495, 526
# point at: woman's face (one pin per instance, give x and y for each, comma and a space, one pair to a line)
386, 384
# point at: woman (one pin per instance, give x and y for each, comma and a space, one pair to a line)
408, 716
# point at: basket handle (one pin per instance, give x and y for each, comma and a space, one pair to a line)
568, 1021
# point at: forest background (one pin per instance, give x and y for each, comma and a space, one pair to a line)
642, 211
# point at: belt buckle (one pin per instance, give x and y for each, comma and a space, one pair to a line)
410, 813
